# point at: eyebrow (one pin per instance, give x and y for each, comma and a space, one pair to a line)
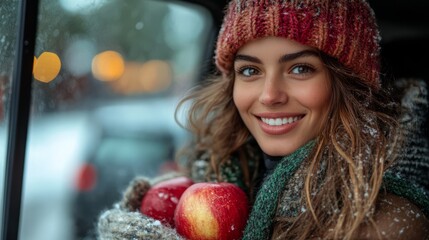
284, 58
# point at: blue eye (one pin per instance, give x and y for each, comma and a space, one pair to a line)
302, 69
248, 71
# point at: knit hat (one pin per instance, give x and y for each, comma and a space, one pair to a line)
344, 29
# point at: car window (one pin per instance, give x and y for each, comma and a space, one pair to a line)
8, 36
107, 77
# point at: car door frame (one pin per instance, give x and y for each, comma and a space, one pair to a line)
19, 116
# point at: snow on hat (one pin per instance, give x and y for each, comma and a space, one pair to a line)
344, 29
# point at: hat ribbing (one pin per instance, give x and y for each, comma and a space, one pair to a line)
344, 29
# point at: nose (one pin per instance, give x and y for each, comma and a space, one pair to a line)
273, 92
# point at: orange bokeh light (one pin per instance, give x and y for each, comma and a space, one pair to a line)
151, 76
108, 66
46, 67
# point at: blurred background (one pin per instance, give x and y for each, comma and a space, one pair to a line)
107, 77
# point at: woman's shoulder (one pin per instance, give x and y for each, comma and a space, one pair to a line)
396, 218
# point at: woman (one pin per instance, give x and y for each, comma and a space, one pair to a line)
299, 117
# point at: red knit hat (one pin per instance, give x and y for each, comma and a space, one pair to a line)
344, 29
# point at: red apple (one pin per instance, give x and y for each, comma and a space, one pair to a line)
212, 211
161, 200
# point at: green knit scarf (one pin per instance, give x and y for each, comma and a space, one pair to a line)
261, 218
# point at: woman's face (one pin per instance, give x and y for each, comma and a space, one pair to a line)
282, 93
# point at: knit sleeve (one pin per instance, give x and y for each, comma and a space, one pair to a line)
124, 220
409, 175
122, 224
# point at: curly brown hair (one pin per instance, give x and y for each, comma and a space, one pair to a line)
213, 120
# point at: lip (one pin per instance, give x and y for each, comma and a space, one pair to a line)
278, 115
278, 130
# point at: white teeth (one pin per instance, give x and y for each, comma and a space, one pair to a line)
280, 121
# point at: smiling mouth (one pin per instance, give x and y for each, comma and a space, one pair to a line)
281, 121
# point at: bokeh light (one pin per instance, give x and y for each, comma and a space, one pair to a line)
78, 56
108, 66
46, 67
81, 6
156, 76
149, 77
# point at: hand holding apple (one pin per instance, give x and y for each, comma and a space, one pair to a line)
161, 200
212, 211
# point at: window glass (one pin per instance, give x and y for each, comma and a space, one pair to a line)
8, 37
107, 78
